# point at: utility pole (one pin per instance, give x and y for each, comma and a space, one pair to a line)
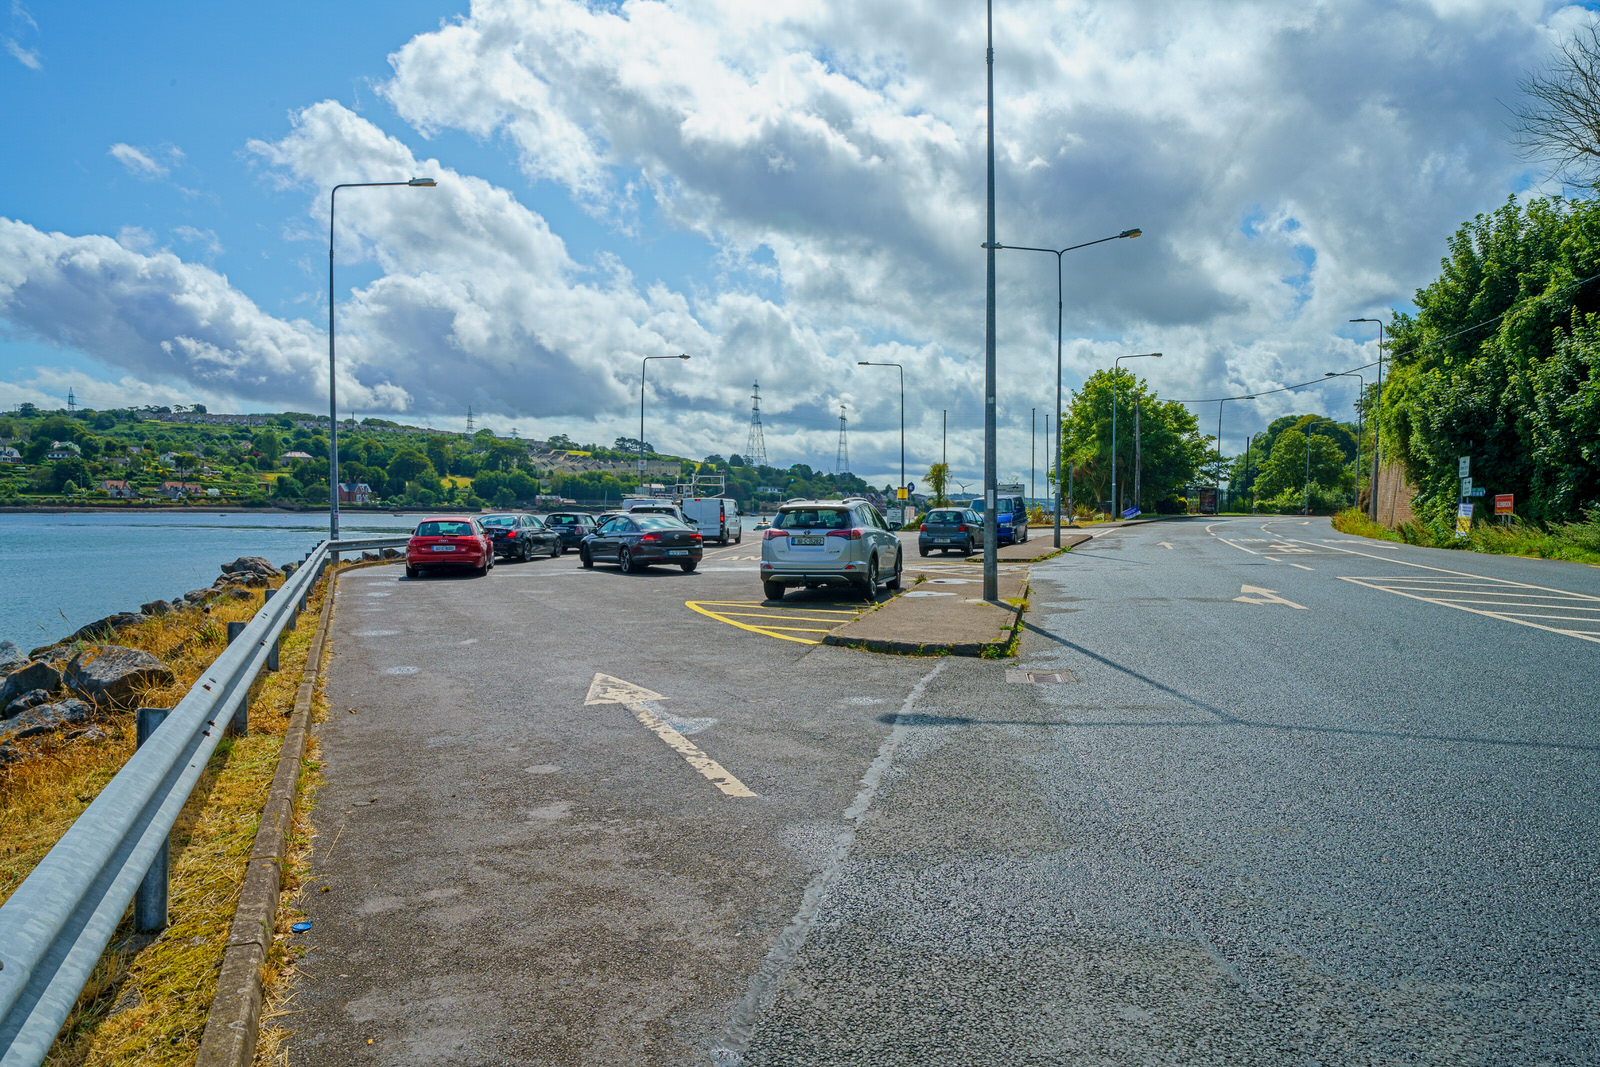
991, 532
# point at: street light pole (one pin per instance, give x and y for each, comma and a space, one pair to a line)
1058, 253
1377, 403
645, 362
902, 370
333, 399
1116, 380
1221, 402
991, 532
1363, 381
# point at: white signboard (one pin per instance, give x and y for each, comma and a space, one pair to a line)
1463, 466
1466, 487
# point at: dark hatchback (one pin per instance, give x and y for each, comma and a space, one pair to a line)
518, 535
571, 526
634, 542
950, 529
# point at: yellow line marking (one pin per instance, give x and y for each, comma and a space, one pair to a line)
782, 633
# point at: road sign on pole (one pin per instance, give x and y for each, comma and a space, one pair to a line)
1463, 520
1502, 503
1466, 487
1463, 466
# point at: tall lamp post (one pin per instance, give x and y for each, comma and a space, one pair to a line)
333, 398
1363, 381
645, 362
1372, 490
1221, 402
1116, 378
1058, 252
902, 370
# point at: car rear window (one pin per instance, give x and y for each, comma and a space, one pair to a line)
945, 516
562, 520
651, 521
499, 520
813, 519
444, 529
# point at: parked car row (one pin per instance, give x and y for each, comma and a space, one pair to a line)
631, 540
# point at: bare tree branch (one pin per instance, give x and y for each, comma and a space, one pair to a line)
1559, 122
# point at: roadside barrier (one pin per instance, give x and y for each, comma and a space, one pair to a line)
57, 924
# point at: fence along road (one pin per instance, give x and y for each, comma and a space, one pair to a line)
54, 928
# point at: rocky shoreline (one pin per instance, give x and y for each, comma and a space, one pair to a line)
72, 683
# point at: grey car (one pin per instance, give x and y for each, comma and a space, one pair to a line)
818, 543
950, 529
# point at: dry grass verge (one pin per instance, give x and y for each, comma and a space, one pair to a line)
147, 1000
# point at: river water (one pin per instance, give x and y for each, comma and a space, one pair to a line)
61, 571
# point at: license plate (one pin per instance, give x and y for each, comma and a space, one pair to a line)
941, 540
677, 551
444, 548
805, 540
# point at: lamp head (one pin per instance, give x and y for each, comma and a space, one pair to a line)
422, 183
1135, 232
862, 363
683, 355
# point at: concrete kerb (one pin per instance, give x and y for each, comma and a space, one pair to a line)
233, 1022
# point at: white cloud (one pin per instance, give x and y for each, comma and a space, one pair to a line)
206, 239
139, 163
28, 57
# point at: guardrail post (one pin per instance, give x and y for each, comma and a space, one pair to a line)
150, 901
277, 642
239, 725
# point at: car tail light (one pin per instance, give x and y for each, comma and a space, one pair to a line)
696, 537
923, 527
511, 533
852, 534
962, 528
776, 533
650, 537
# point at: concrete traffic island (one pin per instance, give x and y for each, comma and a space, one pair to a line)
926, 620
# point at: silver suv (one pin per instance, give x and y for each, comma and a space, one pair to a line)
816, 543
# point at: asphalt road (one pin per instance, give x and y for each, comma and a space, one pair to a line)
1251, 793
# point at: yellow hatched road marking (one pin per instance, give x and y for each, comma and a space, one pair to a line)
717, 609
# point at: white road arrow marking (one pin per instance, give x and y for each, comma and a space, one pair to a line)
1265, 596
608, 690
1165, 544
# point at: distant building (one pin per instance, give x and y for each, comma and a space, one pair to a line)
9, 455
63, 450
296, 455
355, 493
119, 490
177, 490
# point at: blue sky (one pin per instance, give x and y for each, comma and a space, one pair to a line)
781, 190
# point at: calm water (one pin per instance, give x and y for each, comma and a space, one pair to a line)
62, 571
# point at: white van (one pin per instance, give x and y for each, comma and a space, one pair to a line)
718, 518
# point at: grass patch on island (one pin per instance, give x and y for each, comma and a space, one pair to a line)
1575, 542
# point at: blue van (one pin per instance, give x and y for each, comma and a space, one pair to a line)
1010, 517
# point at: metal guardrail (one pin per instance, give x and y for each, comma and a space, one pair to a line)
369, 544
56, 925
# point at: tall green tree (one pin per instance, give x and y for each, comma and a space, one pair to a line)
1170, 445
1498, 365
938, 482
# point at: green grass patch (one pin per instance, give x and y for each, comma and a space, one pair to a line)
1575, 542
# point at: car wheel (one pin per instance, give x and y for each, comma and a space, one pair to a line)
774, 590
412, 572
625, 560
869, 588
689, 566
483, 568
557, 549
584, 557
921, 551
894, 579
739, 536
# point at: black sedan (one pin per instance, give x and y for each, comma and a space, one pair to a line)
634, 542
518, 535
573, 526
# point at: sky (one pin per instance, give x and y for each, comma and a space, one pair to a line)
779, 190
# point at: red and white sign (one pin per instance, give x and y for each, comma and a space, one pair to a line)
1502, 503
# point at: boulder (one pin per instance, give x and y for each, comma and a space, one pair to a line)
31, 699
155, 608
198, 596
36, 674
109, 625
11, 656
249, 568
45, 718
113, 676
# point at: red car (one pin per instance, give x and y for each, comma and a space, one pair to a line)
449, 541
